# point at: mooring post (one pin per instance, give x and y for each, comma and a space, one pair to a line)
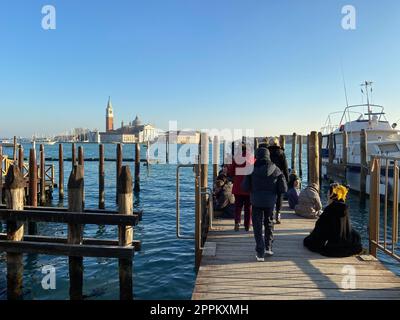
75, 231
331, 148
21, 159
215, 158
345, 145
256, 143
14, 187
33, 192
148, 157
167, 147
320, 156
81, 158
294, 152
125, 233
314, 159
118, 168
60, 172
198, 209
73, 155
374, 210
102, 202
300, 141
364, 164
42, 176
15, 149
308, 159
137, 167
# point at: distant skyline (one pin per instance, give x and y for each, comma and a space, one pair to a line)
275, 66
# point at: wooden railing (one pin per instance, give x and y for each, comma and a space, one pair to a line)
384, 200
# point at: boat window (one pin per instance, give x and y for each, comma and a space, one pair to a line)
388, 148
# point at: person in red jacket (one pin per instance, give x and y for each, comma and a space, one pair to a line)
240, 167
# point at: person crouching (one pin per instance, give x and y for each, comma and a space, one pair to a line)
265, 183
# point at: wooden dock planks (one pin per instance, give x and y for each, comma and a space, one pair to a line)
229, 270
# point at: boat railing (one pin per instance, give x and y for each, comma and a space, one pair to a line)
384, 179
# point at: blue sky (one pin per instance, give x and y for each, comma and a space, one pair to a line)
274, 66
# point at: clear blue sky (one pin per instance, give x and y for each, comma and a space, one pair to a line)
269, 65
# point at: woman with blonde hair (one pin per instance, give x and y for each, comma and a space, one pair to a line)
333, 235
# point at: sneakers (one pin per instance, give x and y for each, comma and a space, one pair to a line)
260, 259
278, 218
237, 225
269, 253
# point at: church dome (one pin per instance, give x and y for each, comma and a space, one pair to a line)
136, 122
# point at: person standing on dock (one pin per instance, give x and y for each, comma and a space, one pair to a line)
264, 184
278, 157
242, 198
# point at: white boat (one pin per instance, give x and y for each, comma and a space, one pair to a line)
383, 139
47, 141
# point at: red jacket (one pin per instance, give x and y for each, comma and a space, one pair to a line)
237, 179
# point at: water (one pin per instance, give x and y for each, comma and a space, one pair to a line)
164, 268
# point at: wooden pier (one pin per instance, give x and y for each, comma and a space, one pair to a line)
229, 269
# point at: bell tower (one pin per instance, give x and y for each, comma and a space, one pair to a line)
109, 116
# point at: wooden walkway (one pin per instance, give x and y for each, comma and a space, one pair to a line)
229, 270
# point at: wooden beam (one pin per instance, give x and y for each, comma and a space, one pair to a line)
86, 241
71, 250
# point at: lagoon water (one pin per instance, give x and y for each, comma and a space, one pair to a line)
164, 268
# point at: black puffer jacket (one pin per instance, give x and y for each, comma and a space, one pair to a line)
278, 157
266, 181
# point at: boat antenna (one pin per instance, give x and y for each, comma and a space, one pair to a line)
367, 85
344, 86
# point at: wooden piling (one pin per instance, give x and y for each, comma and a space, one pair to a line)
60, 172
314, 159
14, 193
320, 137
282, 141
374, 210
73, 154
1, 175
215, 158
75, 231
137, 167
125, 233
300, 141
364, 164
308, 159
331, 148
102, 202
118, 168
21, 159
15, 149
294, 144
42, 177
33, 183
167, 147
345, 145
81, 158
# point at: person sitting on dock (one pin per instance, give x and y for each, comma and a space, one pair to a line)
333, 235
293, 190
264, 184
309, 205
224, 200
242, 198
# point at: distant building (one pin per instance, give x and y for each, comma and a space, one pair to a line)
133, 132
184, 137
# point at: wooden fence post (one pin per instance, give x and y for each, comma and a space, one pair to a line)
33, 192
14, 192
374, 210
60, 172
42, 177
314, 159
75, 231
300, 140
118, 168
125, 203
101, 177
294, 144
137, 167
364, 164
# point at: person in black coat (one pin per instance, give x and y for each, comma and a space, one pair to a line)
333, 235
278, 157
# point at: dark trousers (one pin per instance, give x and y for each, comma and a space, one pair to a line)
279, 203
263, 217
240, 202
